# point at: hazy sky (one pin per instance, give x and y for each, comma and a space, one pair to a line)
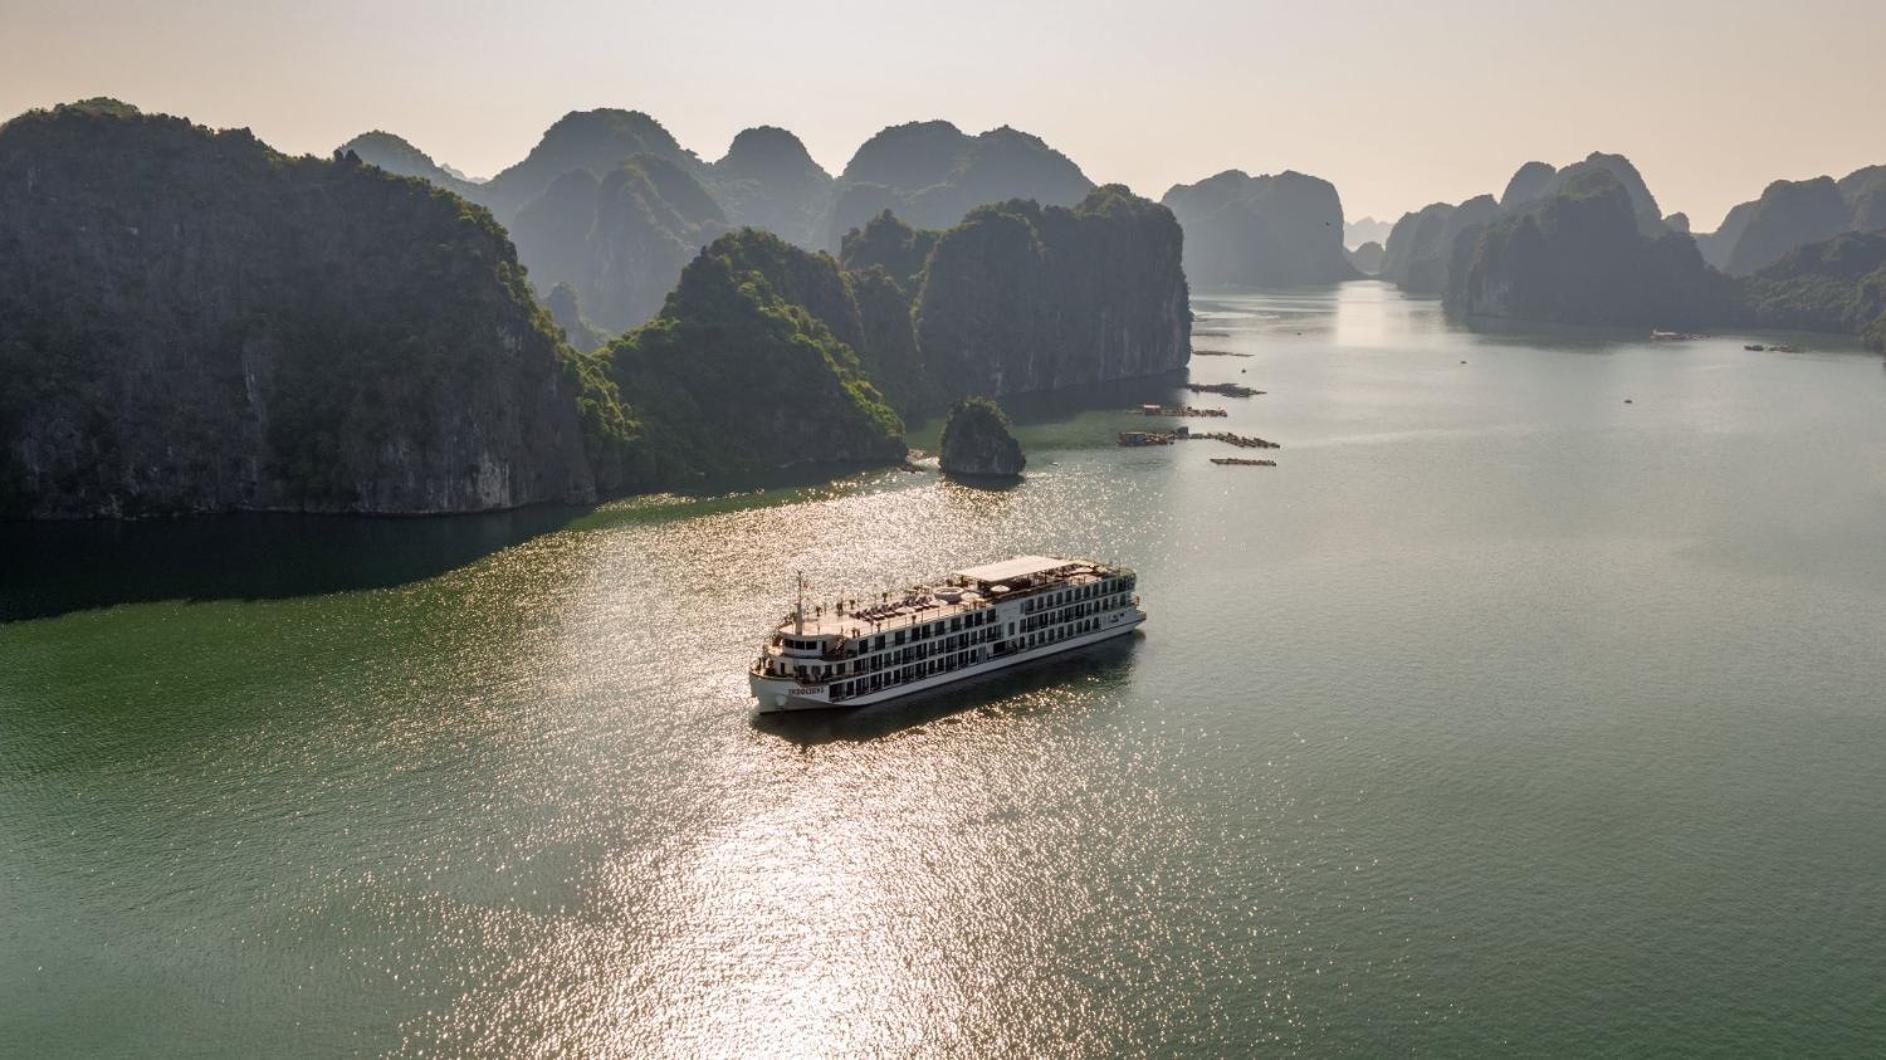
1399, 104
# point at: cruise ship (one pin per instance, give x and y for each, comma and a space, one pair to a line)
975, 622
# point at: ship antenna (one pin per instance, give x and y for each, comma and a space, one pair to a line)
798, 611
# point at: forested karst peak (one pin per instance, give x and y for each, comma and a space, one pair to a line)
768, 180
595, 140
768, 152
932, 174
912, 155
397, 155
191, 321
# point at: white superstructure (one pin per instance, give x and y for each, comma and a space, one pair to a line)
978, 620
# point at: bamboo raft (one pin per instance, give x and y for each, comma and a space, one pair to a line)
1235, 461
1218, 353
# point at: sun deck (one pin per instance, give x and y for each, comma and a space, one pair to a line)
969, 589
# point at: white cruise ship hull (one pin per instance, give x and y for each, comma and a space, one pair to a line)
776, 696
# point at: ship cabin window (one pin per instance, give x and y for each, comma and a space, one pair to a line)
898, 638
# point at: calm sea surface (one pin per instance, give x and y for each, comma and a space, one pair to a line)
1501, 716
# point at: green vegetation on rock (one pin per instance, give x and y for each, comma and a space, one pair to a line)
768, 180
734, 378
977, 441
932, 174
190, 321
1789, 214
1794, 213
399, 157
1579, 255
1837, 285
595, 141
567, 311
888, 243
1024, 298
621, 240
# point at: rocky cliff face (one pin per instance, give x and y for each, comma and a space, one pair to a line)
1789, 214
931, 174
1579, 255
567, 311
738, 376
620, 241
1248, 231
1429, 251
767, 180
1644, 208
1529, 183
1416, 236
1367, 258
1837, 285
977, 442
1024, 298
596, 141
1424, 245
1718, 245
191, 322
1864, 192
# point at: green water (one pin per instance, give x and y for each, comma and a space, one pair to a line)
1500, 717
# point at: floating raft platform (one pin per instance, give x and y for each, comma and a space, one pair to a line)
1227, 389
1238, 461
1179, 411
1242, 441
1218, 353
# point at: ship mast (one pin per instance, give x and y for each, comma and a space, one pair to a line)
798, 610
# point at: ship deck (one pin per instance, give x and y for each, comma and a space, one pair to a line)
919, 604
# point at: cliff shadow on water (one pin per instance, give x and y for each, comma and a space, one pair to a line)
1024, 689
52, 568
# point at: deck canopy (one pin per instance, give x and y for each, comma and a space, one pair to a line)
1019, 567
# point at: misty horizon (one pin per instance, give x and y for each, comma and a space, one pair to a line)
1397, 110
